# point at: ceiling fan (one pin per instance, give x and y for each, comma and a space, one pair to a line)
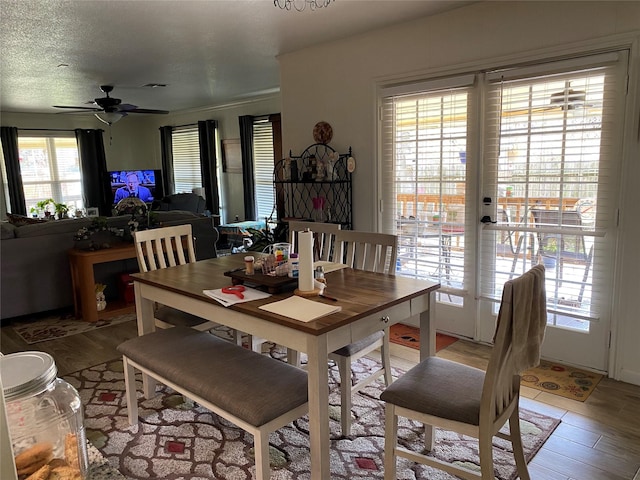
109, 109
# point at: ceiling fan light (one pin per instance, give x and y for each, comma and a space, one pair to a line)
109, 117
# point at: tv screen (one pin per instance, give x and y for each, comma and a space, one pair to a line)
144, 184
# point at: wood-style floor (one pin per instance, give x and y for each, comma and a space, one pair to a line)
597, 440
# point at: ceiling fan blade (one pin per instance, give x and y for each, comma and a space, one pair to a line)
93, 109
147, 110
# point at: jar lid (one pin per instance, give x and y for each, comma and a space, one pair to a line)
249, 258
26, 372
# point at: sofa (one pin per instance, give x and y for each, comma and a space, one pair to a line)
189, 202
34, 271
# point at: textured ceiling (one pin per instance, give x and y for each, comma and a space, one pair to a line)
207, 52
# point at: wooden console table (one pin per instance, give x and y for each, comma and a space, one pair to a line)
83, 281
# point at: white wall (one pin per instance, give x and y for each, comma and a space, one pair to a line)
134, 142
337, 83
232, 202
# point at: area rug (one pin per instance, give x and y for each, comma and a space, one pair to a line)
561, 380
63, 325
176, 439
409, 336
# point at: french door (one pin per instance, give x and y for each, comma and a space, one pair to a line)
484, 178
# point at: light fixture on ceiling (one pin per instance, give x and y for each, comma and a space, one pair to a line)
569, 99
109, 117
300, 5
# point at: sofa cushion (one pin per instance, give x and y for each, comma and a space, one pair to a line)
53, 227
8, 230
20, 220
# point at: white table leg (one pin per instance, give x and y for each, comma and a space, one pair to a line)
427, 349
146, 324
318, 375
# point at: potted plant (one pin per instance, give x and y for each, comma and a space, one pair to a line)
61, 210
46, 206
549, 253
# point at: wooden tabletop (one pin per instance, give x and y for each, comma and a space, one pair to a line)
359, 293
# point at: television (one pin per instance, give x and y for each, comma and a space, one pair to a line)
144, 184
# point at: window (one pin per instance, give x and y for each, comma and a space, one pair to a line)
425, 132
263, 162
552, 168
50, 168
187, 173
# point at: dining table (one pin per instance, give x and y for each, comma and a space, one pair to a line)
368, 302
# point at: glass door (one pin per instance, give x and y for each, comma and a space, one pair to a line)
549, 181
425, 191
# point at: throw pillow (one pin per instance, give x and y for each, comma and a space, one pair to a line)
20, 220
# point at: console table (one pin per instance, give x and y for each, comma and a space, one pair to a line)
83, 281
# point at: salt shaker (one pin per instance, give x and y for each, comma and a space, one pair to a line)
248, 265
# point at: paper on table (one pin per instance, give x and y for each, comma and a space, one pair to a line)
329, 266
228, 299
300, 308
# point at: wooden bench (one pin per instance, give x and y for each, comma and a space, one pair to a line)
255, 392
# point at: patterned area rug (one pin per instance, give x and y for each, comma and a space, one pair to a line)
561, 380
63, 325
409, 336
178, 440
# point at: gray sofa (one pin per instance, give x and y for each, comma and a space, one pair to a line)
35, 275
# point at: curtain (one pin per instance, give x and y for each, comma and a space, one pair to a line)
96, 189
9, 137
166, 147
208, 164
248, 182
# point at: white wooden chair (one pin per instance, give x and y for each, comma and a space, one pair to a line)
167, 247
376, 252
324, 234
456, 397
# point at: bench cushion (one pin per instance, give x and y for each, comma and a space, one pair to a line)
253, 387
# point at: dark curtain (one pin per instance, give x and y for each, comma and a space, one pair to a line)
166, 146
96, 189
208, 164
248, 179
9, 137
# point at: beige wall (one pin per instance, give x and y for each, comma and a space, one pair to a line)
134, 142
337, 83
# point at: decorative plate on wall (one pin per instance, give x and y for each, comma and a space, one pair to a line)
322, 132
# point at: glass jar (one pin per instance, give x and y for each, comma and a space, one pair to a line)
44, 415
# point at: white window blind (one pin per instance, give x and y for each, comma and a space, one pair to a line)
50, 168
550, 158
424, 146
186, 159
263, 162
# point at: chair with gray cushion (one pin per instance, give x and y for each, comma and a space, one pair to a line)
455, 397
167, 247
376, 252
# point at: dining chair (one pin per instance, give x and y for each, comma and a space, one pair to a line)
167, 247
455, 397
375, 252
323, 235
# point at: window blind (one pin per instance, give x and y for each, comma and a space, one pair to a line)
424, 144
186, 159
263, 163
550, 163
